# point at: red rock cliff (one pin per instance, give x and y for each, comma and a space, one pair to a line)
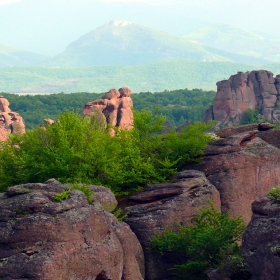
10, 122
256, 90
41, 238
114, 108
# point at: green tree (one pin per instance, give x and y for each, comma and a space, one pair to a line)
251, 116
78, 149
209, 243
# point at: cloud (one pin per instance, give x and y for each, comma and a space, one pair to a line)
6, 2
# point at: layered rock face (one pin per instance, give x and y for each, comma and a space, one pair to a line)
10, 122
72, 239
167, 204
256, 90
241, 166
260, 244
115, 108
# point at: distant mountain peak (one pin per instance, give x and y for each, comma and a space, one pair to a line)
118, 23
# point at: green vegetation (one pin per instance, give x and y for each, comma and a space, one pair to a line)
167, 75
35, 108
86, 190
209, 243
251, 116
22, 213
275, 194
77, 149
178, 106
118, 214
62, 196
65, 195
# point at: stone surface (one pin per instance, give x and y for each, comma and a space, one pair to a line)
48, 122
271, 136
115, 108
242, 167
105, 197
260, 244
44, 239
255, 90
166, 204
230, 131
10, 122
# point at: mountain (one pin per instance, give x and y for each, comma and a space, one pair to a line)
125, 43
11, 56
238, 41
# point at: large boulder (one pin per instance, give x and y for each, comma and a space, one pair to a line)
241, 166
115, 108
260, 244
254, 90
10, 122
41, 238
167, 204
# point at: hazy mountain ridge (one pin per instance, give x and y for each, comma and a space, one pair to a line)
238, 41
123, 53
126, 43
12, 56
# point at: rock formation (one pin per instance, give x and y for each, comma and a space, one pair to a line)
241, 166
41, 238
48, 122
260, 245
115, 108
10, 122
256, 90
166, 204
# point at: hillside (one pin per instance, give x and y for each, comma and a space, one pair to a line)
161, 76
238, 41
127, 43
11, 56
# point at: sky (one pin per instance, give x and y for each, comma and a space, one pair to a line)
48, 26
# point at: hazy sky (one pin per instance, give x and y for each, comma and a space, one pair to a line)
48, 26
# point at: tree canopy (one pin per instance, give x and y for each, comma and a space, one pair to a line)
178, 106
208, 244
78, 149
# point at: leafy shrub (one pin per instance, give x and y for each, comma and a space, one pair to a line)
62, 196
275, 194
77, 149
118, 214
251, 116
209, 243
86, 190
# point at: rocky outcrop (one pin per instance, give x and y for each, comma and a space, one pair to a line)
167, 204
256, 90
41, 238
10, 122
48, 122
242, 167
260, 244
115, 108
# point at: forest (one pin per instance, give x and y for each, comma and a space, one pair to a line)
178, 106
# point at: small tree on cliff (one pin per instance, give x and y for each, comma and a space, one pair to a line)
251, 116
209, 243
